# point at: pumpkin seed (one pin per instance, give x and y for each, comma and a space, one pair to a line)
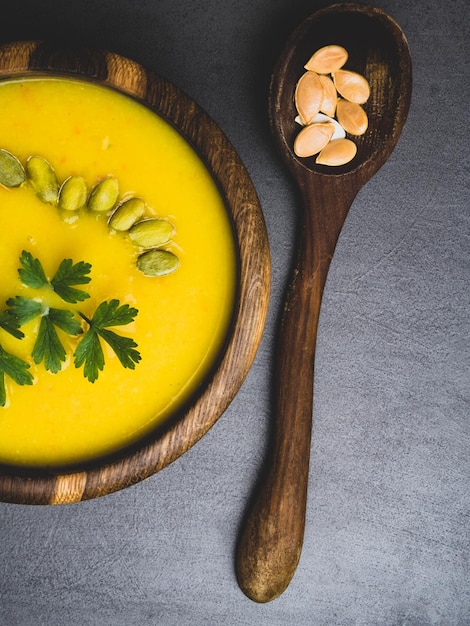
345, 113
308, 96
352, 86
330, 96
352, 117
104, 195
338, 133
73, 193
127, 213
157, 262
151, 232
327, 59
42, 178
337, 152
12, 173
313, 138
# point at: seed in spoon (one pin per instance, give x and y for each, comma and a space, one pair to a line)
330, 96
327, 59
337, 152
352, 117
352, 86
313, 138
308, 96
339, 132
345, 113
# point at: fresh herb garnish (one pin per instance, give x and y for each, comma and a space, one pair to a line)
11, 324
32, 274
89, 350
16, 369
48, 347
23, 309
69, 274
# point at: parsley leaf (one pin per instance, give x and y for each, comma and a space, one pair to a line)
48, 346
32, 273
89, 351
66, 321
10, 323
123, 347
16, 369
69, 274
24, 309
113, 314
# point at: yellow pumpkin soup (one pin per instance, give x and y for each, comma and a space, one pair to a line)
118, 271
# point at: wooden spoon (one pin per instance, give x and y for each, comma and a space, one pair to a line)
271, 539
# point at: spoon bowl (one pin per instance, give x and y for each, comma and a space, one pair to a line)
377, 49
271, 538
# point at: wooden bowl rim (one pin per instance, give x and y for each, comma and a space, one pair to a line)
39, 58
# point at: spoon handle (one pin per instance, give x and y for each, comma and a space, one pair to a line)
271, 540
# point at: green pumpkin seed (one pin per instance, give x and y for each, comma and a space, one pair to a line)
104, 195
73, 193
12, 173
127, 214
43, 179
152, 232
157, 262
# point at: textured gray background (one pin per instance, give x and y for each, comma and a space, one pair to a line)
386, 541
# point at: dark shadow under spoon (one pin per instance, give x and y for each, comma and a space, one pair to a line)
271, 539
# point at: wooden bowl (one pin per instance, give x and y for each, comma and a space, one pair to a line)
105, 475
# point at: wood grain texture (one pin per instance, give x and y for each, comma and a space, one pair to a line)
39, 486
271, 538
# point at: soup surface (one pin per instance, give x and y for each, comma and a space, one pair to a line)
182, 318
